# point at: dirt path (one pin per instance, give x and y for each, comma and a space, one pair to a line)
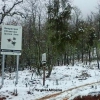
56, 94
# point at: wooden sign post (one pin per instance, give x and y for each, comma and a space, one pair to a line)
44, 65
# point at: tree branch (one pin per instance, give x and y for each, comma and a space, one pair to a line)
8, 12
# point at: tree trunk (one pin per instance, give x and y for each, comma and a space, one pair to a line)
58, 61
65, 59
86, 58
82, 56
49, 71
73, 60
89, 56
97, 53
78, 56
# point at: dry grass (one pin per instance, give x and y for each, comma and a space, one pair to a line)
89, 97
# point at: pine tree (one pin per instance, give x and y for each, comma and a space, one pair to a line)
58, 23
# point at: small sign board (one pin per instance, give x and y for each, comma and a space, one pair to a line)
11, 40
43, 58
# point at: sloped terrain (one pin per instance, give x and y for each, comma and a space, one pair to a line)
65, 82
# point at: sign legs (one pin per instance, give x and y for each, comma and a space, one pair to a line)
3, 64
17, 69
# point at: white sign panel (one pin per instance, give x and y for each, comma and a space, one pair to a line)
44, 58
11, 40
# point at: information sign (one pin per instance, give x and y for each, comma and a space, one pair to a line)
43, 58
11, 40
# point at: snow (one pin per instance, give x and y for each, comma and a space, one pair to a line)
62, 79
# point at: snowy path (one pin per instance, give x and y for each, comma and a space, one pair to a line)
56, 96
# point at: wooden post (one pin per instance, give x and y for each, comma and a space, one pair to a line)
44, 65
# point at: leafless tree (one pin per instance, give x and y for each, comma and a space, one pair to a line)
8, 8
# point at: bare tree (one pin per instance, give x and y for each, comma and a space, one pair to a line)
9, 9
76, 17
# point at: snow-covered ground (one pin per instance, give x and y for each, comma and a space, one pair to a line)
61, 79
